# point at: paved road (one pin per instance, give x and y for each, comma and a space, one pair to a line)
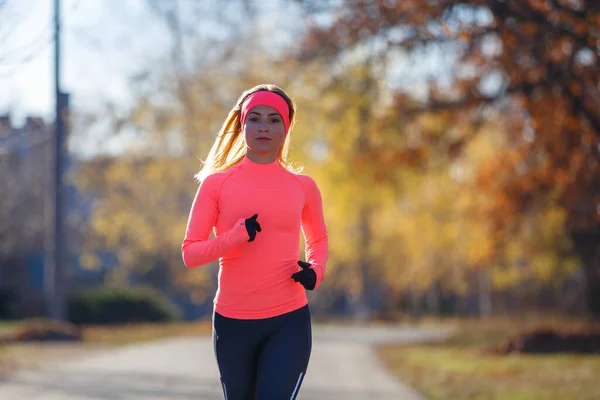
342, 366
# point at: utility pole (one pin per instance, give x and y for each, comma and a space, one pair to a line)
55, 249
364, 215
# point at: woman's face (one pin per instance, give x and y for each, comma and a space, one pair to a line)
264, 130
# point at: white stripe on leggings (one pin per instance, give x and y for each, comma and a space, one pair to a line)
297, 386
224, 389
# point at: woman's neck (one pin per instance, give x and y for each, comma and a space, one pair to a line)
266, 158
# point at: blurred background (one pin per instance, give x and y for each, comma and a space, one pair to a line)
456, 145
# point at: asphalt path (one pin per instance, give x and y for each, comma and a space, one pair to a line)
342, 366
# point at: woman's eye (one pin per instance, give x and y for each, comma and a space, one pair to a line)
253, 119
275, 120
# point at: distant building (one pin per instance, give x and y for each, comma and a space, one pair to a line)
25, 172
24, 177
27, 145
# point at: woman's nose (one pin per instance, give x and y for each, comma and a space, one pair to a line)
263, 126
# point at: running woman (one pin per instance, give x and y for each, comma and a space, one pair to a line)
257, 205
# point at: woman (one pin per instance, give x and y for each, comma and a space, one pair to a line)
257, 205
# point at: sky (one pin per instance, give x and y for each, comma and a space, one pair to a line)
104, 43
101, 47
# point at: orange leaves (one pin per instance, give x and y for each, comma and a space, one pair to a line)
576, 88
464, 36
539, 5
589, 140
561, 49
578, 160
528, 175
530, 28
561, 179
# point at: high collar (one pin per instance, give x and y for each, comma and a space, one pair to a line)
250, 165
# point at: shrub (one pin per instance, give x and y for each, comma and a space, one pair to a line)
119, 305
8, 300
545, 340
42, 330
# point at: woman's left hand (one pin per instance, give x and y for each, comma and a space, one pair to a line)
307, 276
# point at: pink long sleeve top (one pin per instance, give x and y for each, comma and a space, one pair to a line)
254, 279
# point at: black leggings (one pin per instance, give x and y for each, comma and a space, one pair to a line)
263, 359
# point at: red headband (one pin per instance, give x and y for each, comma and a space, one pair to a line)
267, 98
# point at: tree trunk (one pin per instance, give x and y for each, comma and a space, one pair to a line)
462, 305
587, 245
433, 300
364, 215
415, 306
485, 293
364, 260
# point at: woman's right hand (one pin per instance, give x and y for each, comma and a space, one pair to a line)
251, 226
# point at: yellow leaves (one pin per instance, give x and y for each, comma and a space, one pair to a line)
538, 248
445, 230
141, 210
89, 261
503, 277
439, 230
441, 223
479, 245
544, 266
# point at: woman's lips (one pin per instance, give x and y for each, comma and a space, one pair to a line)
263, 138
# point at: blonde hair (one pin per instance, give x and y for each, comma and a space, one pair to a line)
229, 148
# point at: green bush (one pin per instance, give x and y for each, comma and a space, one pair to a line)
118, 305
8, 300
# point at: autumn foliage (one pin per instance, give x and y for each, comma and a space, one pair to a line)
535, 64
455, 144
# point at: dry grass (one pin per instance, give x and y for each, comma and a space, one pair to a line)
462, 368
133, 333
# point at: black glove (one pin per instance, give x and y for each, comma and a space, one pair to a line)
252, 226
307, 276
